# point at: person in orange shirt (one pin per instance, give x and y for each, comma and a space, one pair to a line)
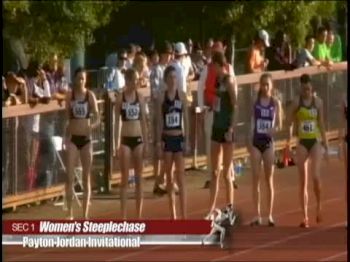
256, 60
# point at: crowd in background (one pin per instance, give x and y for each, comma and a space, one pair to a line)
41, 84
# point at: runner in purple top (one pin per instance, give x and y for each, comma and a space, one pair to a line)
266, 120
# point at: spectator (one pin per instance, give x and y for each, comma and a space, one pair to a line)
116, 80
334, 45
256, 62
153, 58
38, 92
321, 51
207, 51
179, 65
198, 61
51, 124
140, 65
112, 60
14, 90
157, 85
132, 50
280, 53
206, 95
189, 46
58, 83
305, 57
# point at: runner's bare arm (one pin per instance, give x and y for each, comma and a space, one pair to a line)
143, 119
279, 113
160, 117
321, 124
232, 89
68, 111
118, 124
186, 118
291, 119
94, 106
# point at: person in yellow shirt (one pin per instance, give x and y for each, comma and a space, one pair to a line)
306, 111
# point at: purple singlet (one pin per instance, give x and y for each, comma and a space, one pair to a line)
264, 119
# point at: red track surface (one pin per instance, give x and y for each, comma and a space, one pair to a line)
285, 242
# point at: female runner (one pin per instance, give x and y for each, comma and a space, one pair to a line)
266, 110
307, 112
80, 103
172, 112
222, 130
132, 139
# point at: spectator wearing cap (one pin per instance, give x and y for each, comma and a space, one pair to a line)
256, 61
178, 64
206, 94
157, 85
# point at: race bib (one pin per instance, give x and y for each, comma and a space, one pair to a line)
172, 119
79, 110
217, 103
308, 127
262, 126
132, 112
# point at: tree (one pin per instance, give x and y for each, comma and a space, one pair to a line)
293, 17
41, 28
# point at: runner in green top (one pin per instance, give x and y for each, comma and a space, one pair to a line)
222, 132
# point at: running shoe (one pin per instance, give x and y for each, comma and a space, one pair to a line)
304, 224
255, 222
207, 184
157, 190
270, 222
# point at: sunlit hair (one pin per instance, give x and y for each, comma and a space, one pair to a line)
130, 74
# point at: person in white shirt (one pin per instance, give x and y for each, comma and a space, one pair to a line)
111, 60
305, 57
116, 80
178, 64
207, 110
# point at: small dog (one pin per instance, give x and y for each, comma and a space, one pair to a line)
218, 217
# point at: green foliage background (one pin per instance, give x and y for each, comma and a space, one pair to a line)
45, 27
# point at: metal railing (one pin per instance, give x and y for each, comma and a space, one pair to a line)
329, 85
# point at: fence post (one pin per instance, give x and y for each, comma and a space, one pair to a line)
108, 123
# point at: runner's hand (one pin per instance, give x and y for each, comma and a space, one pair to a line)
229, 136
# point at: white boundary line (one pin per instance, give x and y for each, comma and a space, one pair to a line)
330, 258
